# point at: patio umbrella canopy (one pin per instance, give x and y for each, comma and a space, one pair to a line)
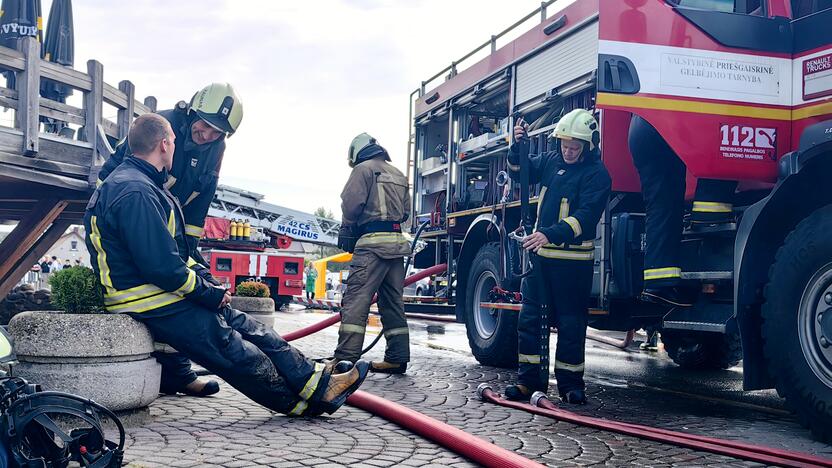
19, 18
59, 47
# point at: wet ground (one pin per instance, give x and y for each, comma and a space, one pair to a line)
627, 385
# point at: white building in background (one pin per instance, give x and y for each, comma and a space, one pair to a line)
71, 246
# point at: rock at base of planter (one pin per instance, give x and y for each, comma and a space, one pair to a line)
116, 385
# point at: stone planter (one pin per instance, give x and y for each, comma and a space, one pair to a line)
261, 308
104, 357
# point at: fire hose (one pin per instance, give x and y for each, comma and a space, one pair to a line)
456, 440
316, 327
541, 405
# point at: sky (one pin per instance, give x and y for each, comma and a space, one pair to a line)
311, 75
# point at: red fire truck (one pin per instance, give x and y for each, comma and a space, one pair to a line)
739, 89
257, 257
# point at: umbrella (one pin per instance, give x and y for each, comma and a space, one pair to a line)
19, 18
59, 47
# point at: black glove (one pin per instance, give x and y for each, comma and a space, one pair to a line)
205, 274
347, 238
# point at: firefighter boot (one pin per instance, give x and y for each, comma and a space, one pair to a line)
518, 392
338, 367
197, 388
668, 296
341, 386
384, 367
575, 397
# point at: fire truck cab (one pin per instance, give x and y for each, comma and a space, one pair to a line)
739, 89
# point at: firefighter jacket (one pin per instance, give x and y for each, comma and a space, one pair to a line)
374, 203
571, 201
134, 232
193, 177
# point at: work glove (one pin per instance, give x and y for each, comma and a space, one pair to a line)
347, 238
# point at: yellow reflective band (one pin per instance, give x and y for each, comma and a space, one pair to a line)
143, 305
562, 254
528, 358
350, 328
396, 331
191, 262
132, 294
191, 198
569, 367
192, 230
312, 383
712, 207
662, 273
171, 224
299, 408
375, 238
101, 256
574, 224
169, 183
564, 209
382, 200
98, 183
189, 285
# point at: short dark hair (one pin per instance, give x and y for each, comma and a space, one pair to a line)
146, 132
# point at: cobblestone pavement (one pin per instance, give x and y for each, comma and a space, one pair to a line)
229, 430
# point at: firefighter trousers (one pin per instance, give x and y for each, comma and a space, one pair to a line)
712, 201
176, 370
252, 358
662, 176
371, 274
555, 295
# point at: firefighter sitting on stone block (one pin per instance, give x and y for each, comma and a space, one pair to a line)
574, 189
136, 238
375, 202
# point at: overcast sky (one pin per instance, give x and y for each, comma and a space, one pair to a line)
311, 74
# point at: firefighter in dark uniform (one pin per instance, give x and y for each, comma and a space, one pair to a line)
135, 233
201, 127
375, 201
574, 190
662, 174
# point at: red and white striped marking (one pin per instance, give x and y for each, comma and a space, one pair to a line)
316, 303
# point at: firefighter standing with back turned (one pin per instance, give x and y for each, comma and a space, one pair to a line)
375, 201
574, 189
201, 127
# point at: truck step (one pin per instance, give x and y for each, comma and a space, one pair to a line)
703, 316
707, 275
718, 228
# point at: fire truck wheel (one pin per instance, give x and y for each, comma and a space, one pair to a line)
692, 350
797, 322
492, 334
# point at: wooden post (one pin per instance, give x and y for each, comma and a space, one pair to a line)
150, 102
28, 87
125, 116
17, 243
93, 115
37, 250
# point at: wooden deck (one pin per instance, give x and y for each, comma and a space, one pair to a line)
46, 179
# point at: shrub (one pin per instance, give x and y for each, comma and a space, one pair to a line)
252, 289
76, 290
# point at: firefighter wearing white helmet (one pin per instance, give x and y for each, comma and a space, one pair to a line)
374, 204
201, 127
574, 187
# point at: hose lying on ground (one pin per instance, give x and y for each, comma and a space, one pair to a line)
541, 405
316, 327
456, 440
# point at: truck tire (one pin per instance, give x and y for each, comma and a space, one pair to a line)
492, 334
797, 322
702, 351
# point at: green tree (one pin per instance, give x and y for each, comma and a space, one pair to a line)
322, 212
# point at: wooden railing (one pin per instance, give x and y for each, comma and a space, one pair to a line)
26, 146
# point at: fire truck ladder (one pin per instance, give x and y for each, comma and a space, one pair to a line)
232, 202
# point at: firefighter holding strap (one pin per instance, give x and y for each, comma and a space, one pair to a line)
574, 189
375, 202
135, 233
201, 127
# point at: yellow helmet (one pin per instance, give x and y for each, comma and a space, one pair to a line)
578, 124
218, 105
364, 147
